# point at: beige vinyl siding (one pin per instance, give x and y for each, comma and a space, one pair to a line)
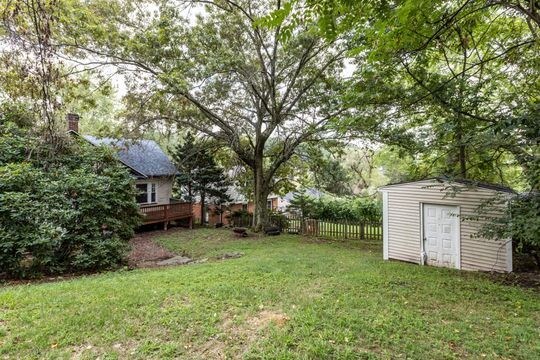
164, 187
404, 224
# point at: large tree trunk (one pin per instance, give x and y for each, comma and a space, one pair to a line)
260, 217
261, 191
203, 210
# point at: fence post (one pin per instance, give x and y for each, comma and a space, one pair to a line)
362, 231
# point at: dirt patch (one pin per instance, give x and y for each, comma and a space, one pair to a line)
146, 253
265, 318
530, 280
88, 351
235, 337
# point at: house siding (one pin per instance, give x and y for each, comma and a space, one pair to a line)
404, 225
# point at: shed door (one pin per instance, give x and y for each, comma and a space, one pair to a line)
441, 235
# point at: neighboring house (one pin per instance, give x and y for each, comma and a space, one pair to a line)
285, 201
220, 214
424, 225
239, 202
153, 172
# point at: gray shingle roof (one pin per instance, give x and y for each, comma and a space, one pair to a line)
143, 156
312, 192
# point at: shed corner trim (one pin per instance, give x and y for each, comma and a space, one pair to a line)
385, 224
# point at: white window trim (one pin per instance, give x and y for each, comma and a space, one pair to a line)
153, 190
149, 187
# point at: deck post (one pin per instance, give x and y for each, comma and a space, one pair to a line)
166, 217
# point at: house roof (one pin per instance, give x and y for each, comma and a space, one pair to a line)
467, 182
145, 157
315, 193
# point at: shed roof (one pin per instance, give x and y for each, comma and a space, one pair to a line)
467, 182
143, 156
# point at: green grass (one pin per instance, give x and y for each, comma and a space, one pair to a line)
329, 300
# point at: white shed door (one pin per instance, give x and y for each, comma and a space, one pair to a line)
441, 235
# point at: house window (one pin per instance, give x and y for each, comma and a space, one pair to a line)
244, 207
142, 193
146, 193
269, 204
153, 193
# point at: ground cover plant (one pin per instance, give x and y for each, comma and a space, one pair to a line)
286, 297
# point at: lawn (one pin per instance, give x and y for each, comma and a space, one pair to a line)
286, 297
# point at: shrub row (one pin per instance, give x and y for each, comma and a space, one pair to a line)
70, 207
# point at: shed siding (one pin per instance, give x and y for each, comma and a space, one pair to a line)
404, 224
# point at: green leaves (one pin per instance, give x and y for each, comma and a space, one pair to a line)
199, 174
66, 209
330, 208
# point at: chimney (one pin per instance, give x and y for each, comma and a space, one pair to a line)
73, 122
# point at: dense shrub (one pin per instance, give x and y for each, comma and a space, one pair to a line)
241, 218
279, 220
520, 222
331, 208
67, 208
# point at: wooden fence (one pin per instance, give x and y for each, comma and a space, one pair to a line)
344, 229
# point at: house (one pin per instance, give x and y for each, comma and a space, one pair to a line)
285, 201
220, 214
429, 222
153, 172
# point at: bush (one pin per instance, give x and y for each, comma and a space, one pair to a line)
330, 208
68, 208
241, 218
279, 220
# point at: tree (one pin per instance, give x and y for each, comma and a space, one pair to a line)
259, 91
457, 85
450, 79
302, 203
326, 169
199, 173
186, 159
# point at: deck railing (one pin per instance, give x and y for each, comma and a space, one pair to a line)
153, 214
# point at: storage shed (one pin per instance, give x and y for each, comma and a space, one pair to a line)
426, 222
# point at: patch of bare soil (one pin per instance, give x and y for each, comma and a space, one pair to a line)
530, 280
145, 252
265, 318
88, 351
238, 337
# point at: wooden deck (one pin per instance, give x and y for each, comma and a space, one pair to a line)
155, 214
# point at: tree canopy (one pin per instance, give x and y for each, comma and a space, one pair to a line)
259, 91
